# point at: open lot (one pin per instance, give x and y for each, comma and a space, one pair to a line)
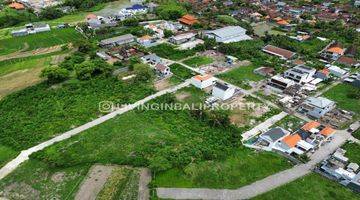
310, 187
343, 95
243, 166
241, 76
170, 52
40, 40
198, 61
290, 123
39, 112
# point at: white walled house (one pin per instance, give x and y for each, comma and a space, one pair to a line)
300, 74
223, 91
202, 81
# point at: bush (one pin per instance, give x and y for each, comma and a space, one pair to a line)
55, 74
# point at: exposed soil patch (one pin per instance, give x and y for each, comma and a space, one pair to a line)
19, 80
182, 96
58, 177
94, 182
162, 84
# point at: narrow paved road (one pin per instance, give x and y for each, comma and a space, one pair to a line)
261, 186
24, 155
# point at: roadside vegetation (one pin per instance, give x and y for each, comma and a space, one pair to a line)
310, 187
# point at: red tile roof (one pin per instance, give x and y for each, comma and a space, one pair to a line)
327, 131
279, 51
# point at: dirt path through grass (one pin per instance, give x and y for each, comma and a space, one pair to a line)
23, 53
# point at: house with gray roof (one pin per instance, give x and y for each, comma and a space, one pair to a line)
272, 136
227, 34
316, 106
117, 41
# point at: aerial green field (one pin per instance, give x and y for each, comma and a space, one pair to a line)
241, 75
198, 61
343, 95
242, 167
40, 40
181, 72
39, 112
310, 187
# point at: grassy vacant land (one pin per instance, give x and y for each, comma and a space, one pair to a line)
180, 72
241, 76
242, 167
290, 123
352, 152
40, 40
7, 67
168, 51
342, 95
198, 61
38, 113
36, 180
310, 187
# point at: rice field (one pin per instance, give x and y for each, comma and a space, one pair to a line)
40, 40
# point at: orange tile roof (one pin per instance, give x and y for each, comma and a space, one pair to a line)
310, 125
17, 6
202, 78
91, 16
282, 22
146, 37
292, 140
325, 71
188, 20
337, 50
327, 131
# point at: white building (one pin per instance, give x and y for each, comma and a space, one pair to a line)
182, 38
202, 81
278, 83
317, 106
31, 29
336, 71
223, 91
300, 74
228, 34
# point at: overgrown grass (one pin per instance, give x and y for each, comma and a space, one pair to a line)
242, 167
341, 94
168, 51
181, 72
42, 111
40, 40
198, 61
240, 76
310, 187
36, 180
